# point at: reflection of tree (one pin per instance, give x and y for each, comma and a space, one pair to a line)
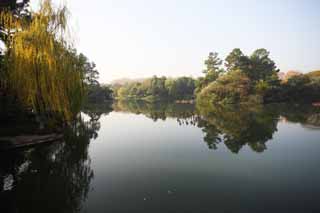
306, 115
313, 121
158, 110
235, 126
94, 111
53, 178
212, 135
240, 125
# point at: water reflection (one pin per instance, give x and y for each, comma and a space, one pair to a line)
239, 126
58, 177
234, 126
160, 110
308, 116
54, 178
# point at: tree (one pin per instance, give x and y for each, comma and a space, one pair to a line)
314, 74
157, 87
14, 5
235, 60
89, 70
43, 70
99, 94
20, 10
180, 88
257, 72
262, 87
213, 70
19, 13
212, 63
298, 81
258, 66
231, 88
261, 66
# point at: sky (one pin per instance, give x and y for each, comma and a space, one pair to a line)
141, 38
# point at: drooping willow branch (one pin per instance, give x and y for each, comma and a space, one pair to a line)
43, 69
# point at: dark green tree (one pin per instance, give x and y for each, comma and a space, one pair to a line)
259, 66
157, 87
212, 71
262, 67
89, 70
181, 88
236, 60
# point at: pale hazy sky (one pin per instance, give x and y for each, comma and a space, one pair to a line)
141, 38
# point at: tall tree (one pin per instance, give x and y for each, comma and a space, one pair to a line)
157, 87
262, 67
8, 26
213, 63
180, 88
89, 70
236, 60
43, 70
212, 71
258, 66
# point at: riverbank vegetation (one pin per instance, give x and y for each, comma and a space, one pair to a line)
253, 79
157, 89
42, 75
237, 79
46, 80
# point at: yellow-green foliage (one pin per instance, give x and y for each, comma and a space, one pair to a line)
261, 87
314, 74
229, 88
42, 68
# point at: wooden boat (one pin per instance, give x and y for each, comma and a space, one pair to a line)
21, 141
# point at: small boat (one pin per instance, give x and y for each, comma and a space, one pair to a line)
21, 141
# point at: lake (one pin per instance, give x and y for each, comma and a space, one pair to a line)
140, 157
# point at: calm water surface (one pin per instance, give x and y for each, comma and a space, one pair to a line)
172, 158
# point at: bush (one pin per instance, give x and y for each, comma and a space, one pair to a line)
231, 88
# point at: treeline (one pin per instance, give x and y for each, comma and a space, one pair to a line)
253, 78
94, 91
41, 72
297, 88
157, 88
239, 78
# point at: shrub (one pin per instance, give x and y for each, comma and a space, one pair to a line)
230, 88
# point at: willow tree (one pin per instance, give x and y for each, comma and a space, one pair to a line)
43, 68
